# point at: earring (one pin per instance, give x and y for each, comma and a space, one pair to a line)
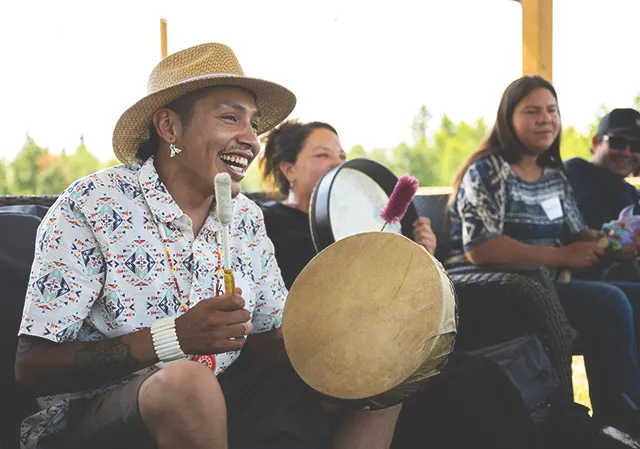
291, 199
174, 150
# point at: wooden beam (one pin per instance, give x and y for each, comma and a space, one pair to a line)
537, 38
163, 38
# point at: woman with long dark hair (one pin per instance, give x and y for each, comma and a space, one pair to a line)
512, 205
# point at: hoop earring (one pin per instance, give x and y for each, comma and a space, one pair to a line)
174, 150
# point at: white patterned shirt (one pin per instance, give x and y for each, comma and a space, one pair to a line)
101, 268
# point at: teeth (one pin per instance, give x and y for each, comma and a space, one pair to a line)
239, 160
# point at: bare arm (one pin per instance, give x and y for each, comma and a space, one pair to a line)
423, 234
267, 347
505, 250
212, 326
45, 367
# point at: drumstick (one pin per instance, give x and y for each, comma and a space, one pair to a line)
399, 201
224, 211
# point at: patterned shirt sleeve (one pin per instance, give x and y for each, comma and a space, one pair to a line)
272, 292
573, 217
481, 202
66, 276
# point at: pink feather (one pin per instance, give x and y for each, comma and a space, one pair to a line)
400, 198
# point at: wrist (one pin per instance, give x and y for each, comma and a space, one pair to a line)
559, 256
165, 340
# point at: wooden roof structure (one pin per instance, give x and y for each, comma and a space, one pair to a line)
537, 38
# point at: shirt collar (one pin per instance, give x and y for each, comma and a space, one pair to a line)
162, 205
163, 208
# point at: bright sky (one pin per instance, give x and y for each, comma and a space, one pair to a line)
72, 67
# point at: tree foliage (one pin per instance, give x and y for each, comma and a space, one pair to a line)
37, 171
433, 156
436, 154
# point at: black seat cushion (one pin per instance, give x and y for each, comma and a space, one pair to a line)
18, 226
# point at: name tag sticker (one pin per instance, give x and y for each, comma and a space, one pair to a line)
552, 208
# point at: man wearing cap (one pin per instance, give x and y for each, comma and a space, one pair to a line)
601, 193
126, 292
601, 190
599, 185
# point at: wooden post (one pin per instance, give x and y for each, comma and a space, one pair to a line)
537, 38
163, 38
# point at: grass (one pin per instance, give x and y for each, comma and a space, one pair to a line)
580, 384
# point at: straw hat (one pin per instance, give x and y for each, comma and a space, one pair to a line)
188, 70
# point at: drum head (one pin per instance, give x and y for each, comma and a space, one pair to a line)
365, 314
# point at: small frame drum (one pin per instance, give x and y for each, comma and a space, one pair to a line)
348, 200
370, 319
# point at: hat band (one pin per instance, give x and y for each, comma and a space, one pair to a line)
207, 75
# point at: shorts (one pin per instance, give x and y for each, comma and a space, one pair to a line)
263, 404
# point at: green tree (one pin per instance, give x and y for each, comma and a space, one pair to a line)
4, 178
24, 168
574, 144
81, 163
53, 175
419, 160
455, 141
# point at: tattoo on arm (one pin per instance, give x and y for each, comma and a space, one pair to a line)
104, 361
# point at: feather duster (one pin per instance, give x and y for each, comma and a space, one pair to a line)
400, 198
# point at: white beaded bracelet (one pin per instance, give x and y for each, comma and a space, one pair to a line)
165, 340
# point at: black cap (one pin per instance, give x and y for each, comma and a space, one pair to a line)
625, 121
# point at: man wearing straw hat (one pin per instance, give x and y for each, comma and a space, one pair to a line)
126, 292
